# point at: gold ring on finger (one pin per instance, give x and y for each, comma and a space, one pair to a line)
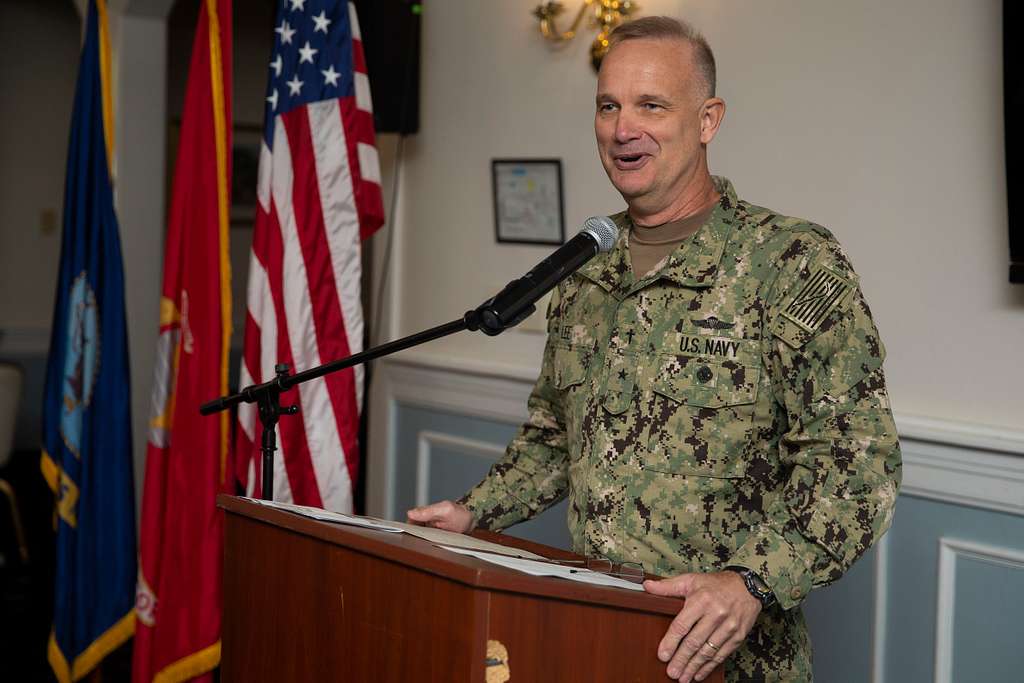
711, 645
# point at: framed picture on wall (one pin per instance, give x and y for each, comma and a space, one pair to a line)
528, 201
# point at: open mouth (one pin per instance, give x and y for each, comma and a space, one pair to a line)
629, 162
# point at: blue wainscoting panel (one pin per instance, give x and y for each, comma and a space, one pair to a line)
840, 618
987, 621
454, 468
982, 623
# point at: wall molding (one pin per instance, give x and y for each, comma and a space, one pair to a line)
25, 340
488, 397
964, 434
425, 444
950, 550
963, 476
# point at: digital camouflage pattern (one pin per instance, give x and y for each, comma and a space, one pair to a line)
729, 408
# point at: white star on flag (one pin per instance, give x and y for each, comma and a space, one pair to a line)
306, 53
286, 32
321, 21
298, 5
294, 85
277, 65
273, 100
331, 76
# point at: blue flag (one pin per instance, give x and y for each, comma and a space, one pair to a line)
87, 456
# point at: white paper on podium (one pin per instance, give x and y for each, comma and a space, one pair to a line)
547, 568
328, 516
450, 540
439, 537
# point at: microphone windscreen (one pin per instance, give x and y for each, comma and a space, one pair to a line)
603, 229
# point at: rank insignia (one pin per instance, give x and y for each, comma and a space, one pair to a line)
825, 290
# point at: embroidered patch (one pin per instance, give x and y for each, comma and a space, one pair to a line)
823, 292
712, 323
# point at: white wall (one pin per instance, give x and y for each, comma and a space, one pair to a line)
139, 46
882, 121
39, 46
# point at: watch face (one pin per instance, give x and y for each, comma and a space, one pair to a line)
757, 588
760, 585
755, 585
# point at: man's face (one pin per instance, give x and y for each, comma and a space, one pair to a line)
648, 121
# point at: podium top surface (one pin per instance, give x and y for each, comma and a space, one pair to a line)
424, 556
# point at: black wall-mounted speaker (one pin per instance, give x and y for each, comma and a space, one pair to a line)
391, 42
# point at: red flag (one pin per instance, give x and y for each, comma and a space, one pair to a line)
319, 195
178, 597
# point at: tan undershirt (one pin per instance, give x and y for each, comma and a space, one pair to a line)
648, 246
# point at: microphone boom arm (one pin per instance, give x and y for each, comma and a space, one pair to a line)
507, 308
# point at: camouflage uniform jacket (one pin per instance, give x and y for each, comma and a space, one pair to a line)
729, 408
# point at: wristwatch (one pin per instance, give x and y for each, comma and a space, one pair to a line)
755, 586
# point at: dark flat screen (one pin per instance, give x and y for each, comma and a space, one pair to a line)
391, 42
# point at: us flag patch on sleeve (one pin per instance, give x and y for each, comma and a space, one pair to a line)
823, 292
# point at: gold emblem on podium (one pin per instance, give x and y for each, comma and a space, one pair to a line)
497, 662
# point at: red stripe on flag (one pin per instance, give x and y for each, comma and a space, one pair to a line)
358, 59
358, 126
328, 322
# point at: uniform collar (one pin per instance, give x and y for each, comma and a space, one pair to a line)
694, 264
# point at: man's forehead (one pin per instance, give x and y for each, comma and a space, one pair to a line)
646, 60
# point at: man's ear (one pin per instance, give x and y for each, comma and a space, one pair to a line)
711, 114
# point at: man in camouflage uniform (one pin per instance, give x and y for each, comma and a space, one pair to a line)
726, 409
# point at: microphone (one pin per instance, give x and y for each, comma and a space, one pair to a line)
515, 302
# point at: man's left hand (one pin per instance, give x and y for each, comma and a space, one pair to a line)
718, 614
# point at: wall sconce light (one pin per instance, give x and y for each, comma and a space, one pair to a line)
605, 15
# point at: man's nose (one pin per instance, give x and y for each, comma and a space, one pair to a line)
626, 128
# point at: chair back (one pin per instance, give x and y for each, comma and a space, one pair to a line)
10, 399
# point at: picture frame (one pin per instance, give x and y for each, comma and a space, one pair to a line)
528, 203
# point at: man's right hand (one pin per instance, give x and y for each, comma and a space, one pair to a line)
444, 515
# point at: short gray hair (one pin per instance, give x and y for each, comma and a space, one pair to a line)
661, 28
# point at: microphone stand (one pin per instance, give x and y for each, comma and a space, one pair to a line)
267, 396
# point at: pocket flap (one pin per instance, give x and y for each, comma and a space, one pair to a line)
570, 366
706, 384
619, 382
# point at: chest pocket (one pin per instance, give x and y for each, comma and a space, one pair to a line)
701, 414
570, 372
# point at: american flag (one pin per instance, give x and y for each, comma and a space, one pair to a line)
319, 197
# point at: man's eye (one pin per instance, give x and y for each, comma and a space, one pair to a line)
606, 107
651, 106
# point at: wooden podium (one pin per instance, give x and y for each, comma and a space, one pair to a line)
311, 601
